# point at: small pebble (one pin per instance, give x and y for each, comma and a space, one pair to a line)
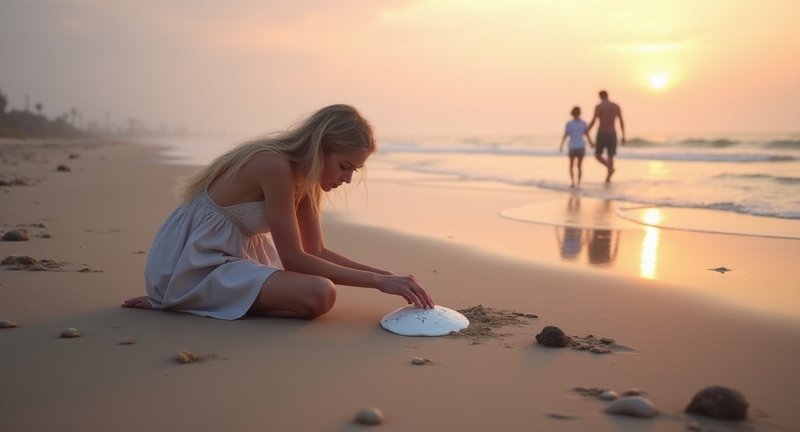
187, 357
558, 416
369, 416
63, 168
609, 395
128, 342
635, 406
720, 403
420, 361
552, 336
16, 235
70, 332
4, 324
13, 182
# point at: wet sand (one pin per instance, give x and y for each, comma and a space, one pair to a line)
122, 373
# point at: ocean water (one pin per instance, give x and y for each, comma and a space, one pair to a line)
754, 175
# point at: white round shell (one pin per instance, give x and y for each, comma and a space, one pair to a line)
413, 321
636, 406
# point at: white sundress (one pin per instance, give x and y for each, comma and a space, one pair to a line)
210, 260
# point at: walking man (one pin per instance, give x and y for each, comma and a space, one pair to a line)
607, 112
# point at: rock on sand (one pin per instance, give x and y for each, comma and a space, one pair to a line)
552, 336
369, 416
4, 324
719, 402
70, 332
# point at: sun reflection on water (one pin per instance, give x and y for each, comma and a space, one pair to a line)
649, 258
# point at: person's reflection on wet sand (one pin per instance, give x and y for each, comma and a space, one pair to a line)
603, 246
602, 243
570, 238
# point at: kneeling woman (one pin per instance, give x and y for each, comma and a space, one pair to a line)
247, 237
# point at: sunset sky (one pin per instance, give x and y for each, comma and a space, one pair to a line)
454, 67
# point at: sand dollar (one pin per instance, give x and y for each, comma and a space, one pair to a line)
413, 321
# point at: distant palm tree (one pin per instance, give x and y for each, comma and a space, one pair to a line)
39, 107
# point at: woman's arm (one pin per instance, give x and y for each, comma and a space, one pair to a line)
314, 243
275, 177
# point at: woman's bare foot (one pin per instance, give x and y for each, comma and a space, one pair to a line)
138, 303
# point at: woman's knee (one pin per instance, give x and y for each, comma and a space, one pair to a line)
321, 297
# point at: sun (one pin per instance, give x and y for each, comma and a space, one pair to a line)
658, 81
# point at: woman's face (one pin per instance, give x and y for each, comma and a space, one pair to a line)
339, 168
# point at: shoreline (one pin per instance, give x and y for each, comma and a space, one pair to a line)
581, 234
315, 375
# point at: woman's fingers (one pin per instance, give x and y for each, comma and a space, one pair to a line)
408, 288
422, 299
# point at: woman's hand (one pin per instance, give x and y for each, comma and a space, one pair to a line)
408, 288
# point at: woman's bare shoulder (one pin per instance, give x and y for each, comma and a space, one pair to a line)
268, 171
268, 164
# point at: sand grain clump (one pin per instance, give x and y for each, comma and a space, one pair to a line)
485, 321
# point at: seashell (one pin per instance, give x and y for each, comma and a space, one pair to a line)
369, 416
552, 336
70, 332
4, 324
419, 361
413, 321
636, 406
609, 395
720, 403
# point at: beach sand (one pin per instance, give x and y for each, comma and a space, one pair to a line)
672, 338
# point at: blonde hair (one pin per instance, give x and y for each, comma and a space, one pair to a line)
333, 129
